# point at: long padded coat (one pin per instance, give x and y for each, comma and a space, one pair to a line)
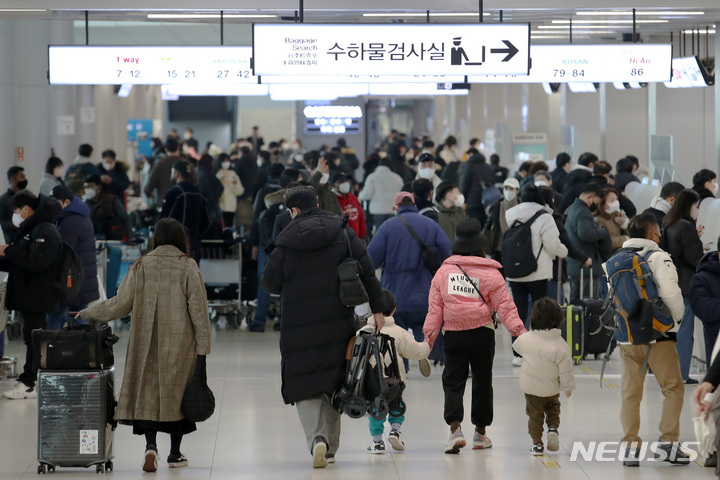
316, 327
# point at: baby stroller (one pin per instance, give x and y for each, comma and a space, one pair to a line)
372, 382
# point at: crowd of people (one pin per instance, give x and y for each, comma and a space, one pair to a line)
439, 222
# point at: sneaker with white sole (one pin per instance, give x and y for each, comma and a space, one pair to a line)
456, 442
20, 391
376, 448
481, 442
150, 463
517, 362
318, 452
177, 461
424, 365
330, 457
538, 450
553, 440
396, 441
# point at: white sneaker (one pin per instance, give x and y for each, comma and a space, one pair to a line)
553, 440
517, 361
456, 442
318, 453
20, 391
481, 442
424, 366
395, 439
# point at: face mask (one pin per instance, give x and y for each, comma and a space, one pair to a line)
187, 136
259, 163
285, 146
613, 207
593, 207
89, 194
459, 200
427, 173
107, 166
694, 212
715, 189
58, 172
22, 185
344, 188
225, 165
172, 177
541, 183
17, 219
509, 195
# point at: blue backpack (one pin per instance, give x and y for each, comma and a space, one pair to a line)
639, 314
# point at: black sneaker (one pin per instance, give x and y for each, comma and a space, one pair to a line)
277, 326
330, 457
177, 461
631, 458
256, 327
711, 461
691, 381
673, 454
538, 450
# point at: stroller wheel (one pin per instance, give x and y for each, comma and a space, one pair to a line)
400, 407
355, 407
379, 409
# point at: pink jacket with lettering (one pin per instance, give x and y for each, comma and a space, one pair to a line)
455, 304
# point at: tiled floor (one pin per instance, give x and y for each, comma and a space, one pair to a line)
254, 435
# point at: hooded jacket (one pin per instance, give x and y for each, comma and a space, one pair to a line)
380, 189
705, 289
475, 175
266, 222
682, 242
32, 261
545, 239
404, 272
316, 327
455, 305
76, 230
547, 367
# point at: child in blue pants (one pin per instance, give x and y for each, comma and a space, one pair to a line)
406, 347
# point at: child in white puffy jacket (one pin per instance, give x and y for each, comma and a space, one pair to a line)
406, 347
546, 371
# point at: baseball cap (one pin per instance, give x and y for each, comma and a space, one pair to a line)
512, 182
402, 196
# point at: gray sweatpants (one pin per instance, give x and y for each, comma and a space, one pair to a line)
320, 419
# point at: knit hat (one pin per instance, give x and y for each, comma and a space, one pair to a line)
404, 198
468, 238
512, 182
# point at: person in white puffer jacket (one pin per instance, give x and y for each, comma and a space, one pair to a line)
380, 189
546, 245
546, 371
406, 347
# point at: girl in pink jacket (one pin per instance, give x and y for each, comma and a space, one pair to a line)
464, 293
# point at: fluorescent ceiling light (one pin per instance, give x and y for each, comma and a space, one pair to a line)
584, 22
583, 27
637, 12
702, 32
205, 15
22, 10
436, 14
619, 85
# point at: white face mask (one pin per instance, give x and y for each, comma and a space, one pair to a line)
17, 219
58, 172
89, 194
187, 136
612, 207
509, 195
541, 183
694, 212
715, 189
108, 166
459, 200
285, 146
427, 173
225, 165
344, 188
259, 162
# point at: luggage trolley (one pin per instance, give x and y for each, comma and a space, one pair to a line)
221, 267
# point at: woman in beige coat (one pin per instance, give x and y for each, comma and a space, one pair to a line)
170, 328
614, 220
233, 188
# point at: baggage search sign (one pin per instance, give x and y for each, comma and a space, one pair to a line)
388, 50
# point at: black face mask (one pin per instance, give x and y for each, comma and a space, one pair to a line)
594, 207
22, 185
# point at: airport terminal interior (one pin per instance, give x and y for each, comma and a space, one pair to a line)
521, 79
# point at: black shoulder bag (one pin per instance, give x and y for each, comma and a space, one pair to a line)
352, 290
430, 254
198, 402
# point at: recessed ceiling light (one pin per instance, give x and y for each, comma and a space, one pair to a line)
204, 15
583, 27
638, 12
586, 22
415, 14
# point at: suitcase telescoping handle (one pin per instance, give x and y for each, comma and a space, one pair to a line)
559, 279
582, 276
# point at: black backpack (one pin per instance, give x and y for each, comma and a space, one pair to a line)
266, 223
518, 259
70, 275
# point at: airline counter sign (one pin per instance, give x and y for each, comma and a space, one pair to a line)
312, 49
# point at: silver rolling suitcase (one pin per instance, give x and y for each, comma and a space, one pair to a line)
75, 411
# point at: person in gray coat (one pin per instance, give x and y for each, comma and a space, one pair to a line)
593, 240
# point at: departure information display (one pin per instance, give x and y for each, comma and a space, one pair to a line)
116, 65
592, 63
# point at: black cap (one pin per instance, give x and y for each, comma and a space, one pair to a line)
467, 237
95, 178
426, 157
182, 166
339, 175
62, 193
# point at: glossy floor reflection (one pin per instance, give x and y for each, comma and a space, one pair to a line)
254, 435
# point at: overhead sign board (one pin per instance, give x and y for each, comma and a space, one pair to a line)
91, 65
592, 63
303, 49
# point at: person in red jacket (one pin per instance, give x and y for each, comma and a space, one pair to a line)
341, 186
464, 293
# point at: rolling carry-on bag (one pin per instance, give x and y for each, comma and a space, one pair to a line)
573, 328
597, 338
75, 419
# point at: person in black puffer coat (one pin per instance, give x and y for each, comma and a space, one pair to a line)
32, 264
76, 229
316, 326
475, 175
705, 298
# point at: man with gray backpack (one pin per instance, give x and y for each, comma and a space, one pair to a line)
647, 307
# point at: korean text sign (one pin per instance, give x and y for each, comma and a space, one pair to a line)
391, 49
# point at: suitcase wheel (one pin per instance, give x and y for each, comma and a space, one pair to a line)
42, 469
100, 468
109, 466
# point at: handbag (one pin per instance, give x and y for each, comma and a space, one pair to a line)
352, 290
430, 254
198, 402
